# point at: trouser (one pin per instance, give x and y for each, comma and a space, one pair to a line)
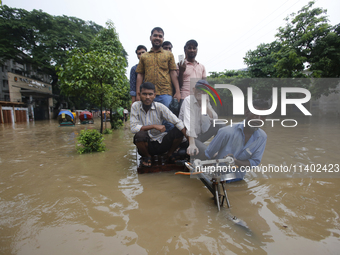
154, 147
166, 100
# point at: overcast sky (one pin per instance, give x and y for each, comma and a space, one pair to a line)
225, 30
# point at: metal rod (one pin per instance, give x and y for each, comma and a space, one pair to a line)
217, 197
225, 195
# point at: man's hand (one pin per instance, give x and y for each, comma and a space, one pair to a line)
160, 128
192, 150
178, 96
182, 66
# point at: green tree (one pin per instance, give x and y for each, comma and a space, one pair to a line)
306, 47
298, 40
325, 57
261, 62
108, 40
42, 40
98, 75
91, 75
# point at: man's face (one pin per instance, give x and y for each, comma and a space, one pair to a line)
167, 47
157, 39
140, 53
191, 51
147, 96
256, 119
198, 94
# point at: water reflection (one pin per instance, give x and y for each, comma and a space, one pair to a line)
54, 201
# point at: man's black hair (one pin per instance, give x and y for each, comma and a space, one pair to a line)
147, 85
191, 42
141, 47
166, 43
157, 29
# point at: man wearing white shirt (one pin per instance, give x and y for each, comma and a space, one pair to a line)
199, 127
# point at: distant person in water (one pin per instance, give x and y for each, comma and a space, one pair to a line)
126, 114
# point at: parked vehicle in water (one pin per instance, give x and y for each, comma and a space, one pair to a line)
66, 118
86, 117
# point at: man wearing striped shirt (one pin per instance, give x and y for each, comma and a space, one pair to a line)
146, 123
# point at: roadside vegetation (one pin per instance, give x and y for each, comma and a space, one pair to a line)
89, 141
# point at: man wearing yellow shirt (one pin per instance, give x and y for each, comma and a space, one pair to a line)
158, 67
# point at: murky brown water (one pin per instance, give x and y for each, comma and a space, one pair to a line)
54, 201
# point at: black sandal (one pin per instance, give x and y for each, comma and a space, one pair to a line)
146, 162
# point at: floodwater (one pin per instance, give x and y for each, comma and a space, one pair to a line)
54, 201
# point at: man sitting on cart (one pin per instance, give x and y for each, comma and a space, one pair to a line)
244, 143
146, 123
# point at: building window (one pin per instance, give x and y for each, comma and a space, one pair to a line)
4, 83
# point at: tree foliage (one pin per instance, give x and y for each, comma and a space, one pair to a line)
41, 39
97, 75
307, 46
228, 74
261, 62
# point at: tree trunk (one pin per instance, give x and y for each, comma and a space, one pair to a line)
111, 118
106, 117
101, 113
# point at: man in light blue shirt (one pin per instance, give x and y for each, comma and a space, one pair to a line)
241, 141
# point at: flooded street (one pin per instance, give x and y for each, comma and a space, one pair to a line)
55, 201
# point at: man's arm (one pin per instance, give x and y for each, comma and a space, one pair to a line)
133, 81
190, 134
140, 78
160, 128
181, 69
241, 162
136, 124
256, 156
192, 149
173, 75
210, 111
170, 117
219, 141
140, 70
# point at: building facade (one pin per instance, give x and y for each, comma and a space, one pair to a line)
20, 84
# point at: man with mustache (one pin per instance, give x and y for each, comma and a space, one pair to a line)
158, 67
146, 121
190, 69
243, 142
